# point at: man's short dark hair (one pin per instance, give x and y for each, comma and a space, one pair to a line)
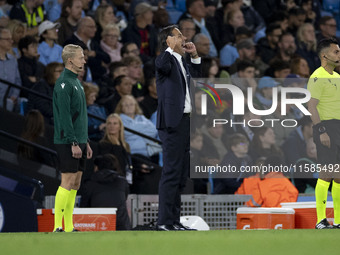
296, 11
118, 80
123, 50
278, 17
25, 42
163, 35
278, 65
271, 28
325, 19
180, 24
325, 43
244, 64
236, 139
107, 161
114, 66
285, 34
188, 3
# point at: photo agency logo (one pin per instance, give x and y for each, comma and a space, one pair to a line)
266, 102
233, 117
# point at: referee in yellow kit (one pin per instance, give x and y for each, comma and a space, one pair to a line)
324, 105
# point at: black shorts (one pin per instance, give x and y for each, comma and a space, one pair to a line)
67, 163
328, 155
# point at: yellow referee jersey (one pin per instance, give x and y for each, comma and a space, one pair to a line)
326, 88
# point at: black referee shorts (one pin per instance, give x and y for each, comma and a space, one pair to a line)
328, 155
67, 163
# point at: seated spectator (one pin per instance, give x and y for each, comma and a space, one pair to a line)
104, 16
210, 6
160, 18
202, 44
228, 53
288, 4
18, 31
9, 71
70, 16
95, 126
108, 188
141, 30
244, 77
196, 155
31, 70
33, 131
271, 190
252, 18
45, 86
246, 51
281, 132
300, 67
133, 118
222, 12
234, 20
246, 130
135, 73
123, 86
210, 68
279, 69
306, 42
114, 143
205, 25
327, 26
307, 6
264, 95
30, 12
295, 145
305, 181
296, 18
110, 43
237, 156
131, 49
150, 102
286, 47
264, 144
267, 47
280, 17
48, 49
214, 149
97, 58
107, 87
187, 27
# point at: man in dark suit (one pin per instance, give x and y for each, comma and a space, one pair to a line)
173, 76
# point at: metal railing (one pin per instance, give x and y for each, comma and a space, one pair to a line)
24, 141
50, 99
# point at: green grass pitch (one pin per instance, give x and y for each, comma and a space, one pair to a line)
233, 242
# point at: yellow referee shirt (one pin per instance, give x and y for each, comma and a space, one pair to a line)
326, 88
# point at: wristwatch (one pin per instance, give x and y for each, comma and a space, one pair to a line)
75, 144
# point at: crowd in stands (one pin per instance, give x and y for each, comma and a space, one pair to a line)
261, 45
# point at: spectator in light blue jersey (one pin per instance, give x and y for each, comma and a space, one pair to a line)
48, 49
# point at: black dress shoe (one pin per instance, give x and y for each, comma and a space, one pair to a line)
182, 227
168, 228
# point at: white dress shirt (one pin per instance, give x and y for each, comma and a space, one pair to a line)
187, 103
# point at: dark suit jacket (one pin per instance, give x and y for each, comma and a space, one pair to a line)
171, 89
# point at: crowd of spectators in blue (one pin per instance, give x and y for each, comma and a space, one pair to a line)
260, 44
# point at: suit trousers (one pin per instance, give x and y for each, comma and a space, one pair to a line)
176, 163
